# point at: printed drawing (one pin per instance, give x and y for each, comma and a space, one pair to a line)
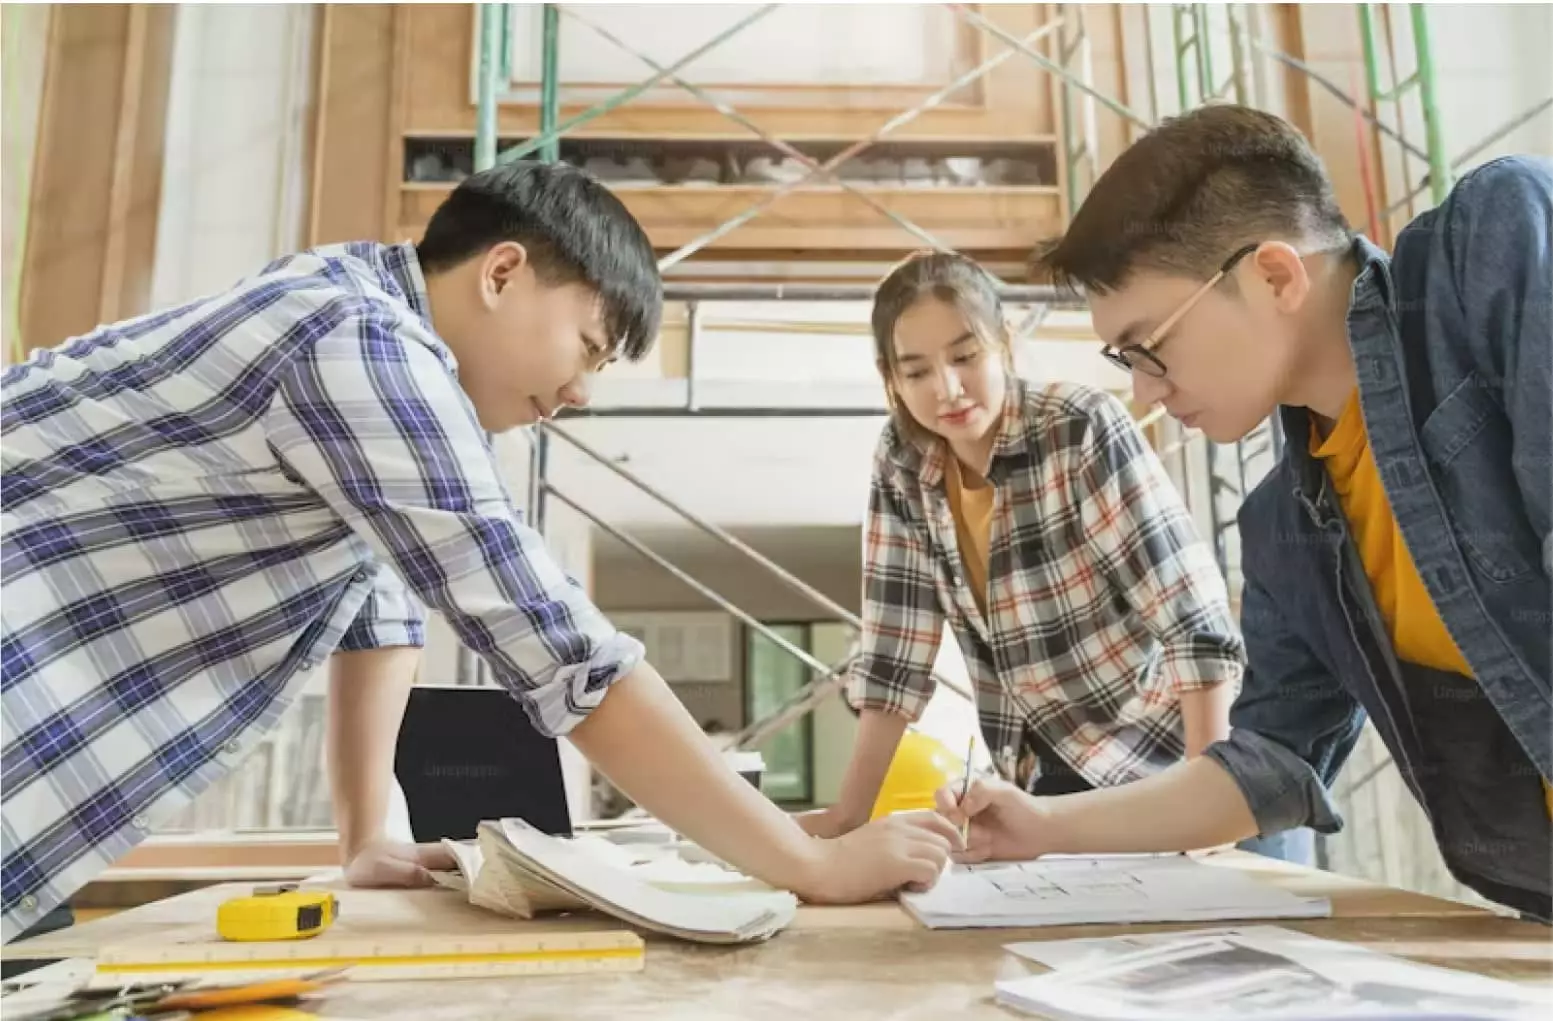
1019, 882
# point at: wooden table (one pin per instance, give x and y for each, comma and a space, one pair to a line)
872, 961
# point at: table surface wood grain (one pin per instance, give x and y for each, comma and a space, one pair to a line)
869, 961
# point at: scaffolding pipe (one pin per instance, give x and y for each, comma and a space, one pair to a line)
793, 582
1337, 93
549, 84
1017, 294
782, 574
469, 668
824, 669
1024, 46
485, 125
623, 97
1178, 15
723, 411
692, 341
899, 120
1207, 87
550, 152
1467, 157
1439, 167
795, 708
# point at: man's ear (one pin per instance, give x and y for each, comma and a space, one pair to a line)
502, 264
1280, 269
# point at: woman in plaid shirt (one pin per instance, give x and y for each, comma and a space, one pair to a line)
1038, 524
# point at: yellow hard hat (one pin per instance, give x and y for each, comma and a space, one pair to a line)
921, 766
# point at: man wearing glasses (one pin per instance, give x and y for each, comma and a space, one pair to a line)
1397, 558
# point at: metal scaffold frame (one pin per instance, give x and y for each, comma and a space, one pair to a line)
1231, 469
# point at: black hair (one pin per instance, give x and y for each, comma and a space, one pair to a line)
949, 277
575, 231
1189, 193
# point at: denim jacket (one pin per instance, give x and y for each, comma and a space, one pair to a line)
1451, 338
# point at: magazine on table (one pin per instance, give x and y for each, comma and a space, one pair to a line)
1262, 972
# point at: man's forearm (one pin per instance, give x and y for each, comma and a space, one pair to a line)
645, 742
368, 691
1189, 806
1205, 716
878, 735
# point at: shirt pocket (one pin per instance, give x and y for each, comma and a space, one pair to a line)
1468, 443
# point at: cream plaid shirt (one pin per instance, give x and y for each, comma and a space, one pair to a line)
1103, 602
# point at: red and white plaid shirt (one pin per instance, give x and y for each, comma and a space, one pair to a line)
1103, 601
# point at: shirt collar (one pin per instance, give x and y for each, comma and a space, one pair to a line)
403, 266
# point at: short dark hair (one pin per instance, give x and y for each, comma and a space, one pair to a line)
575, 230
1189, 193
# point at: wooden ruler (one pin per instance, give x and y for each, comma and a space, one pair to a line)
385, 959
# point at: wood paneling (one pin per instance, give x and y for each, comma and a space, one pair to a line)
818, 218
97, 179
25, 35
351, 172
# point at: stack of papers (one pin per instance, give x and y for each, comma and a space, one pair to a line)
1063, 890
1264, 972
516, 870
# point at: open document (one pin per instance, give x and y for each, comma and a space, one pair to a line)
515, 869
1261, 972
1078, 890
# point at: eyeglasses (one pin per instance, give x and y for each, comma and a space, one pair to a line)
1141, 355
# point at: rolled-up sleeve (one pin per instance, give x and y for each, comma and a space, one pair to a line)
902, 620
1291, 728
391, 617
1144, 542
372, 420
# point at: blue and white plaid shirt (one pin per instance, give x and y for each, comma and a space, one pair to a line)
203, 504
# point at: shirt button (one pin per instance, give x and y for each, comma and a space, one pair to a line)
362, 575
957, 581
139, 822
233, 747
29, 903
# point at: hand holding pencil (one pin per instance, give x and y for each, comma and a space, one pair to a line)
997, 821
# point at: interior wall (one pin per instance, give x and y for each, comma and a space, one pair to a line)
624, 582
96, 170
835, 726
24, 30
238, 145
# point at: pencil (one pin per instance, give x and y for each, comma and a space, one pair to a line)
965, 788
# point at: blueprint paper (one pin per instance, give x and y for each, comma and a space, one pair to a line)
1081, 890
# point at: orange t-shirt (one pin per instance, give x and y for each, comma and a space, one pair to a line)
1417, 632
972, 509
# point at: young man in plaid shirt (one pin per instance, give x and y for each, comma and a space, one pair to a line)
202, 505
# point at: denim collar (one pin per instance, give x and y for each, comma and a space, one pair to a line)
1373, 292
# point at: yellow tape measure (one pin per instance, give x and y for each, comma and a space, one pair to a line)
276, 913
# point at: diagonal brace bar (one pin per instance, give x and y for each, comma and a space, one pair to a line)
1024, 46
792, 581
696, 244
814, 595
828, 681
624, 97
809, 162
